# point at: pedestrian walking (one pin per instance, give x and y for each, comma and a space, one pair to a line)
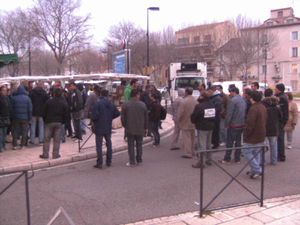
292, 121
154, 118
134, 117
255, 134
103, 113
55, 115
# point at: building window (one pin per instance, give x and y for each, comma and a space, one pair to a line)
196, 39
295, 52
280, 14
289, 20
294, 84
207, 37
295, 35
270, 23
294, 68
183, 41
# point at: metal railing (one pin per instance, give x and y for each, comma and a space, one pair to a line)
25, 174
259, 199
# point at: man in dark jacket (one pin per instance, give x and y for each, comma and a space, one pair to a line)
76, 108
21, 115
134, 119
102, 116
274, 116
55, 113
203, 117
39, 98
5, 110
255, 134
284, 108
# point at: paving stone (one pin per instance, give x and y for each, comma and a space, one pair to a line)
243, 211
91, 155
76, 158
203, 221
260, 216
279, 212
244, 221
291, 220
222, 216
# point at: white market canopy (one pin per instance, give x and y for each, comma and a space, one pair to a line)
97, 76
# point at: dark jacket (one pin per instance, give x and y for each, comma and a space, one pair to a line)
217, 100
200, 117
255, 130
274, 115
21, 104
134, 117
102, 115
75, 101
284, 108
38, 97
56, 110
5, 110
154, 111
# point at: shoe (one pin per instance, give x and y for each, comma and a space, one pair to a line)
197, 165
222, 144
98, 166
108, 164
255, 175
44, 157
130, 165
186, 156
21, 147
56, 157
238, 162
224, 161
174, 148
15, 148
289, 147
207, 162
31, 142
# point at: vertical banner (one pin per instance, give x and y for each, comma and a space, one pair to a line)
121, 61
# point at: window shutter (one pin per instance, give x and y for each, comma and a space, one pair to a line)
290, 52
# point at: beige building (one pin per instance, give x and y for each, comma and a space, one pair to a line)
283, 56
199, 43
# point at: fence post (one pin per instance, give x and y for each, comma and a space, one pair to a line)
27, 197
201, 185
262, 176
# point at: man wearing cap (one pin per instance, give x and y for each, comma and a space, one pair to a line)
284, 107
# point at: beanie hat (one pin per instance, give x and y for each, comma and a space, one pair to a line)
280, 87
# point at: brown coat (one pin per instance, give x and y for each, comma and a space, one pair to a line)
185, 111
256, 122
293, 117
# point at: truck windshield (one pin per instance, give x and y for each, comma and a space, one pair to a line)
184, 82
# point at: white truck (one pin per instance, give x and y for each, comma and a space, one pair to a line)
183, 75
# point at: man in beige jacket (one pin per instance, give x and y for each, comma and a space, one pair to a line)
184, 121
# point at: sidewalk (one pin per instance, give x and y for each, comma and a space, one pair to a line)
277, 211
28, 158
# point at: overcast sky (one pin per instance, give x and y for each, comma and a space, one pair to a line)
177, 14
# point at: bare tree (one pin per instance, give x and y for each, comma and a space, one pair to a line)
56, 23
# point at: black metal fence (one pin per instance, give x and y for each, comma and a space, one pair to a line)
27, 177
259, 199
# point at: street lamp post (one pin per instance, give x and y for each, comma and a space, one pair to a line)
151, 9
265, 57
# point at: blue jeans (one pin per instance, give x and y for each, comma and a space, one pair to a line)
252, 154
155, 132
204, 142
3, 131
273, 149
99, 142
234, 136
40, 127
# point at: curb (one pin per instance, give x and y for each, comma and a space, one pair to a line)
81, 156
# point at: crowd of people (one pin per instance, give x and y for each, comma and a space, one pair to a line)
215, 119
241, 123
35, 115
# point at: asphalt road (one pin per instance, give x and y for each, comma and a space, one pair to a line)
165, 184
